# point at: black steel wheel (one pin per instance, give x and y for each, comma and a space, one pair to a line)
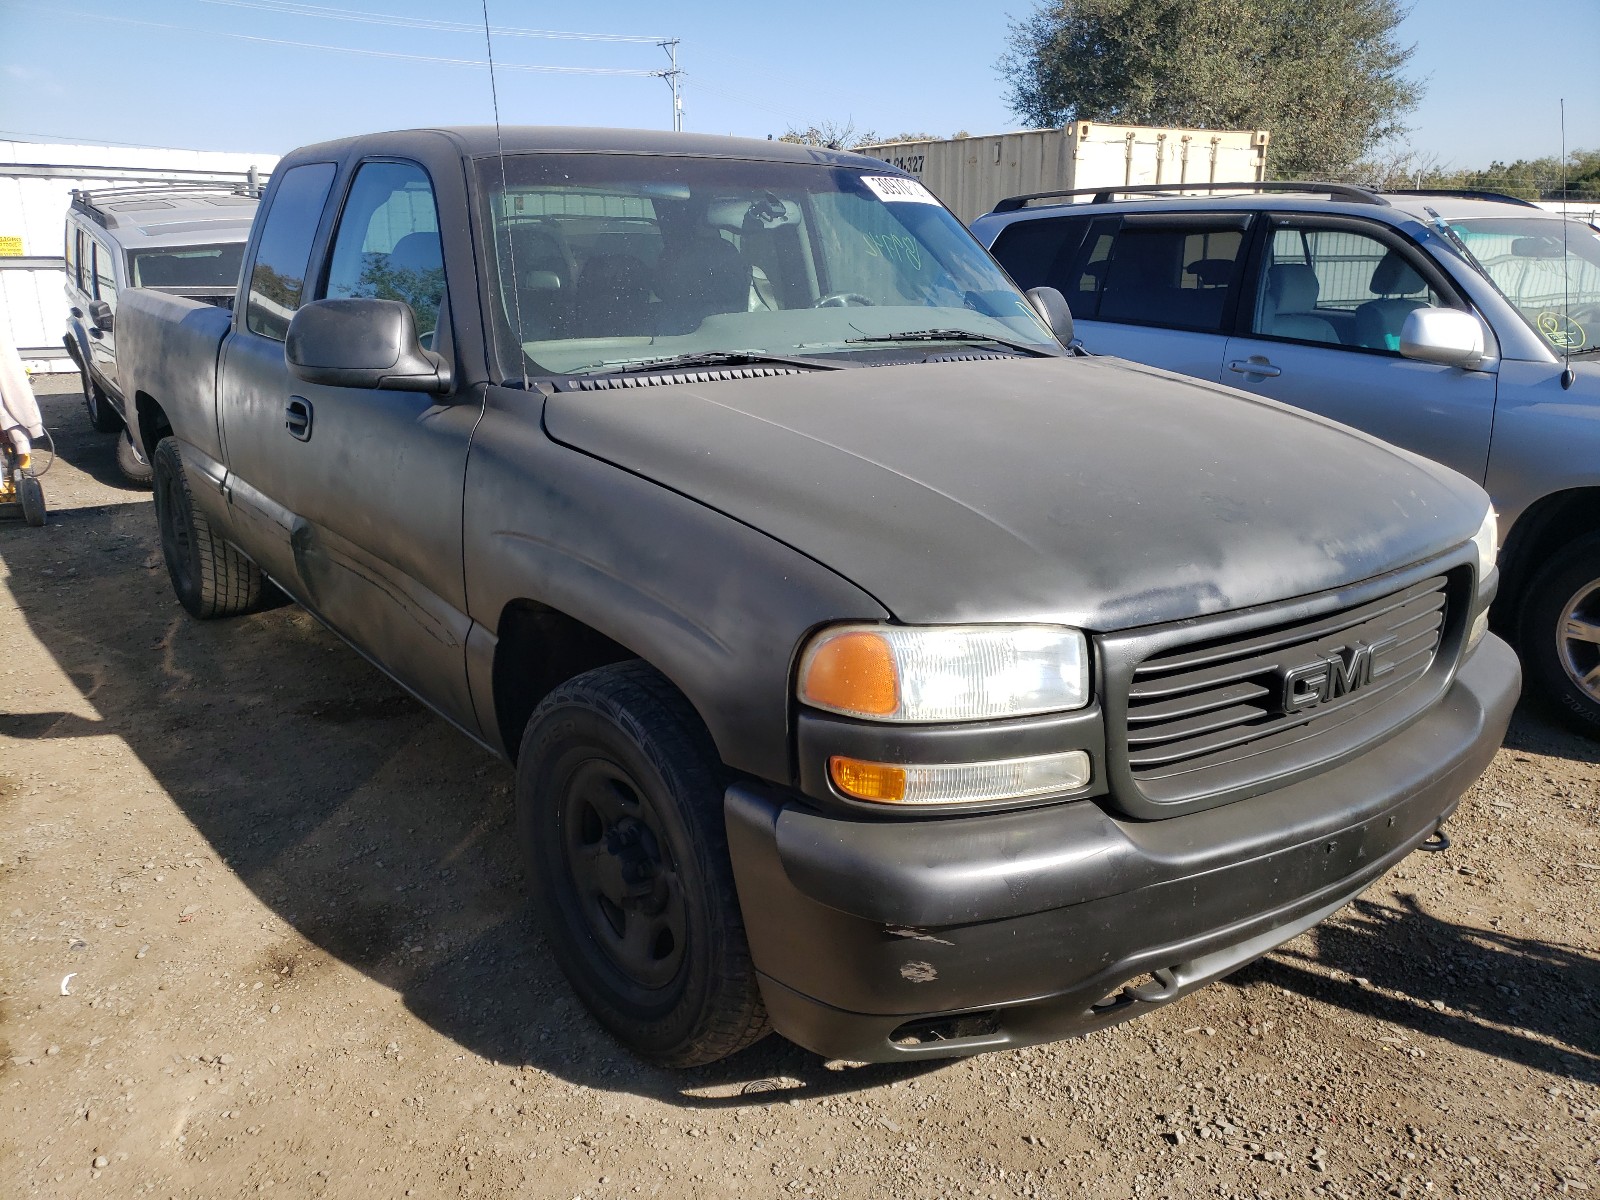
619, 810
102, 416
31, 494
1559, 634
132, 463
209, 576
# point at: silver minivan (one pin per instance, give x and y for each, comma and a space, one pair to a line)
1459, 325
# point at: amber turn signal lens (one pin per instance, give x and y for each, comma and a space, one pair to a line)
853, 672
868, 780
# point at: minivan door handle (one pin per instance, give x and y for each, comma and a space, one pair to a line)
1255, 365
298, 418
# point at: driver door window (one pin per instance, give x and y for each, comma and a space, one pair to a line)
1337, 287
387, 246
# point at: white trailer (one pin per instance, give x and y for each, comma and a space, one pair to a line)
970, 174
36, 184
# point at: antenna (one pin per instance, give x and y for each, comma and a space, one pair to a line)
1567, 376
505, 198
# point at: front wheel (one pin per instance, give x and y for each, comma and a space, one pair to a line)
619, 812
132, 463
1559, 634
102, 417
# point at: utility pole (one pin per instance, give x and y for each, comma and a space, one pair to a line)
672, 75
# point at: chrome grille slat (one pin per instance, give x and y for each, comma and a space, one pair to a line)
1195, 714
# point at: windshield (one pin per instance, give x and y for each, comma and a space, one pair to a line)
1557, 292
603, 261
189, 267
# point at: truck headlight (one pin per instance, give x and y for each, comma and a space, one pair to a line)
1486, 540
944, 672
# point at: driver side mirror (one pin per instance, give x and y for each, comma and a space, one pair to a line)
363, 344
1052, 307
1446, 336
100, 314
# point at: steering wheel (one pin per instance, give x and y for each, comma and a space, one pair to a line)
843, 300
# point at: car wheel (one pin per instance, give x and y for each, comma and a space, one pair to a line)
1559, 634
102, 416
619, 812
31, 494
132, 463
209, 577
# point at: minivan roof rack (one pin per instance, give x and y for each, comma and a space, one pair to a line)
93, 202
1464, 194
1176, 191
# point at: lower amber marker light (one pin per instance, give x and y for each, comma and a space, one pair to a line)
960, 783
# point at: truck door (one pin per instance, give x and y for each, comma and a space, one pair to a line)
374, 479
1321, 331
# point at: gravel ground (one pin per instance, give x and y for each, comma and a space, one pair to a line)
265, 931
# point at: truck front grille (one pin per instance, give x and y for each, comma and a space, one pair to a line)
1211, 717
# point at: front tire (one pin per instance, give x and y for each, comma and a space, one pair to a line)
619, 812
209, 577
1559, 634
102, 417
132, 463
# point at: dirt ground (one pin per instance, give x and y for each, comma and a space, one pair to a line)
264, 930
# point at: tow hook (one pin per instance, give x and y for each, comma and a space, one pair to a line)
1437, 843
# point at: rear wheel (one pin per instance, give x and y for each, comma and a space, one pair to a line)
102, 416
31, 494
132, 463
619, 810
210, 577
1559, 634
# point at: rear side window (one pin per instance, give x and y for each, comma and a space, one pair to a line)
1178, 276
105, 276
1037, 253
277, 280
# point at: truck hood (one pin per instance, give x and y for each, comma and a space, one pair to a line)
1089, 492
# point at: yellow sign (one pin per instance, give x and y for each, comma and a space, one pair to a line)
10, 245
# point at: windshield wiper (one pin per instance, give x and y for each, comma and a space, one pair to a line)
707, 358
951, 335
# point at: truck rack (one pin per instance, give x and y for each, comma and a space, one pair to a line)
95, 204
1176, 191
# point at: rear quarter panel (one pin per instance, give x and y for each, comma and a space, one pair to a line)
167, 349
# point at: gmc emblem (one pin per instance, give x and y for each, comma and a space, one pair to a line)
1333, 676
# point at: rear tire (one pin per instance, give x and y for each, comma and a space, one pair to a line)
102, 416
209, 577
132, 463
1558, 635
619, 811
31, 493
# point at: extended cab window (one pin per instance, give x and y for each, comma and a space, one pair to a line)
1174, 272
277, 280
387, 246
1338, 287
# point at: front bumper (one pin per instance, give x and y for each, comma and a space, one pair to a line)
882, 940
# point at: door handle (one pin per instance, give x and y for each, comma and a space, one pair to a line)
297, 418
78, 312
1255, 365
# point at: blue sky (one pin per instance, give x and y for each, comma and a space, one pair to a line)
258, 75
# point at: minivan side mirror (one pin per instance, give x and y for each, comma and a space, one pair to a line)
1446, 336
100, 314
1052, 306
359, 343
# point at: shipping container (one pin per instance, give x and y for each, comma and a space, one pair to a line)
971, 173
37, 180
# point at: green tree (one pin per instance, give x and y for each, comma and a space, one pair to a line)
1327, 77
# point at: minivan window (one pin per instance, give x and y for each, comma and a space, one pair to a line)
277, 280
1178, 276
1039, 253
105, 276
387, 246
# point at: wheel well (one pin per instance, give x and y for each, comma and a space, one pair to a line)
153, 424
539, 649
1545, 527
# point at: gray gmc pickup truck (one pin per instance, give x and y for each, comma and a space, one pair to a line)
875, 669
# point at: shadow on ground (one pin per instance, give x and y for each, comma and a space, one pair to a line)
385, 839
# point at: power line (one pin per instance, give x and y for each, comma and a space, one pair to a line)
291, 8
